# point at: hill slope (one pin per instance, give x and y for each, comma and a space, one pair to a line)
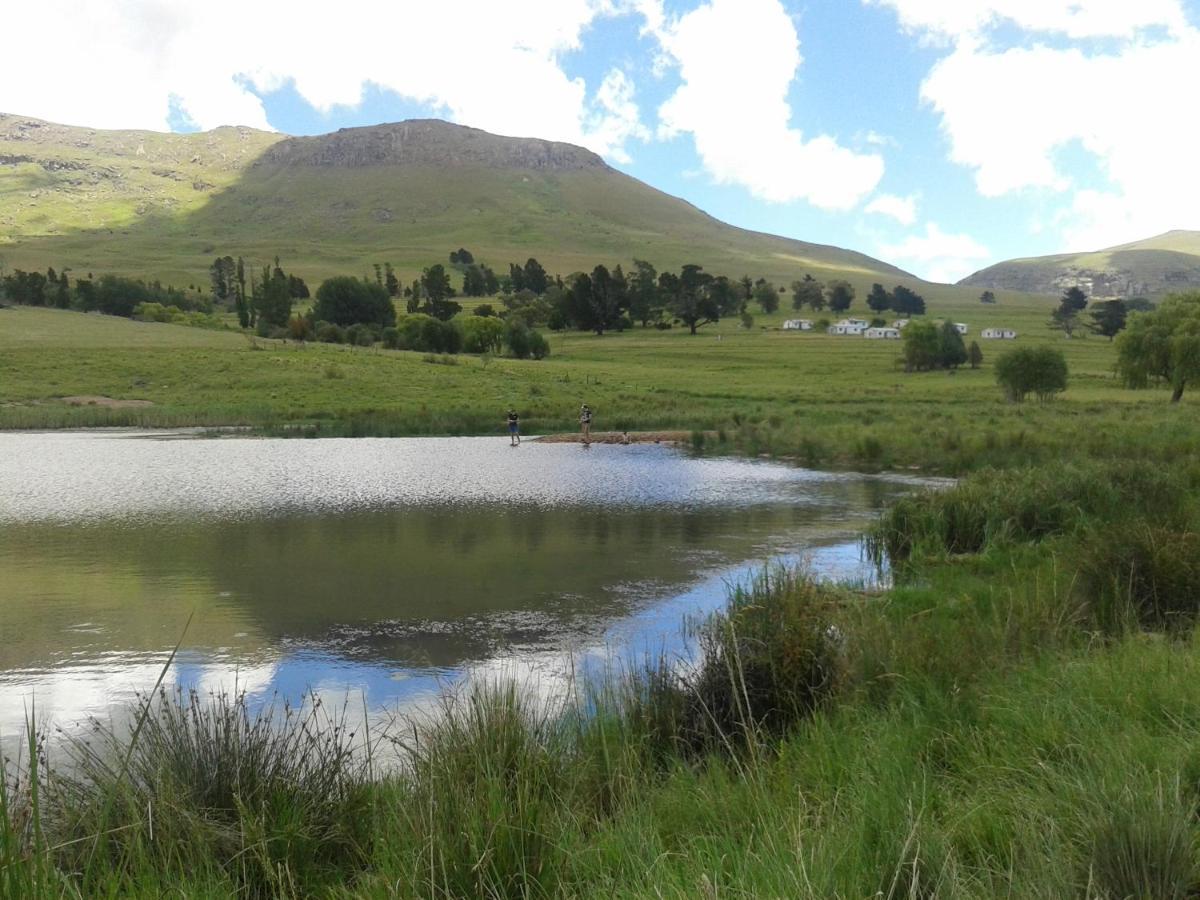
1157, 265
164, 205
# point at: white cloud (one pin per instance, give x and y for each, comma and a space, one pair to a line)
736, 108
502, 73
1011, 113
936, 255
902, 209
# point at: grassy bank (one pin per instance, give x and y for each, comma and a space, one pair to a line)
1018, 716
825, 401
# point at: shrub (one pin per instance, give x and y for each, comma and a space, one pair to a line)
1041, 371
391, 337
360, 335
206, 780
765, 663
482, 335
328, 333
300, 328
344, 301
1140, 576
483, 310
1024, 505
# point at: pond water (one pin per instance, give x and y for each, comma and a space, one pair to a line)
385, 570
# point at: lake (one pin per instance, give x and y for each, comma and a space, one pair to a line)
380, 569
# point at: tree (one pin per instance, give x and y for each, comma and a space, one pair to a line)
461, 257
878, 299
1108, 318
987, 297
726, 295
536, 279
747, 291
687, 297
221, 275
808, 291
474, 284
1037, 370
1163, 345
644, 301
766, 296
435, 286
390, 281
62, 296
1066, 316
840, 294
343, 300
952, 353
974, 355
907, 302
922, 347
273, 298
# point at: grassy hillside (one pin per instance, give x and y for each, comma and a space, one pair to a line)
163, 205
1148, 268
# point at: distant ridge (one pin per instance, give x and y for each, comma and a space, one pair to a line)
429, 142
1148, 268
164, 205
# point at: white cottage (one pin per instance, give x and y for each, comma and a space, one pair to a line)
960, 328
847, 326
998, 334
797, 325
901, 323
882, 334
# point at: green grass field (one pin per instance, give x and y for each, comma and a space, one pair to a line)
827, 400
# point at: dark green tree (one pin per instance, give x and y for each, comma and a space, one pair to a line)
808, 292
536, 279
62, 294
1065, 317
644, 301
687, 297
952, 352
879, 299
974, 355
766, 296
390, 281
987, 297
1108, 318
840, 294
907, 302
922, 347
1041, 371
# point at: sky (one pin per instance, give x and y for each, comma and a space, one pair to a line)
938, 135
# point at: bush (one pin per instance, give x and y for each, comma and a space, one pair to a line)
216, 781
483, 310
360, 335
344, 301
766, 662
1041, 371
1141, 576
523, 342
482, 334
1025, 505
391, 337
300, 328
328, 333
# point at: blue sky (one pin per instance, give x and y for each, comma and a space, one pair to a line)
941, 135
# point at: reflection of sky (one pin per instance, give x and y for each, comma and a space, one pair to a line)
70, 694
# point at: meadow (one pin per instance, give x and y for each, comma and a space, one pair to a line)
824, 400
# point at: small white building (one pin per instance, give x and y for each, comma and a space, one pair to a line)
901, 323
882, 334
998, 334
847, 326
797, 325
960, 328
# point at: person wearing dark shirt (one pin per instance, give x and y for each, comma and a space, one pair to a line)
585, 423
514, 428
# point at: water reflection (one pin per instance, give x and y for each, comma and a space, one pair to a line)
354, 565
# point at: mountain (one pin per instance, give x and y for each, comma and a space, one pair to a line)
163, 205
1155, 266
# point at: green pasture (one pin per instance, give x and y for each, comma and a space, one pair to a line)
826, 400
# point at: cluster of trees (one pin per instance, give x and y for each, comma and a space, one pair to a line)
1108, 317
272, 292
900, 299
929, 346
837, 294
113, 295
470, 334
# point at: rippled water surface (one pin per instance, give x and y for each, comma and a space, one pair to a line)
384, 568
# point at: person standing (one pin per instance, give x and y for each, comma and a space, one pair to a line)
514, 428
585, 423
